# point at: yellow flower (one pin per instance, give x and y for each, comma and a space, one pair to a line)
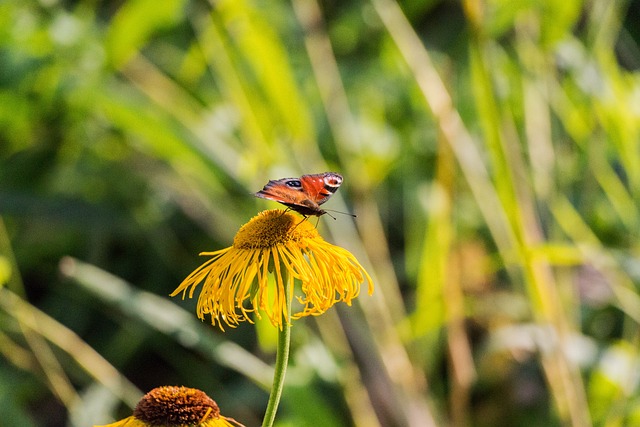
170, 406
236, 280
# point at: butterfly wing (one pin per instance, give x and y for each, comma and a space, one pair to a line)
286, 191
304, 194
319, 187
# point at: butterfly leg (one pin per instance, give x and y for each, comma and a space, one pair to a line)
303, 220
285, 211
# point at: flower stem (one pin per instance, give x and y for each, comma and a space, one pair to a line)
282, 359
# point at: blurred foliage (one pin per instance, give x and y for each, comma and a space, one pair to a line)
490, 150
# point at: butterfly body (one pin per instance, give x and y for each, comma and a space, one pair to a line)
305, 194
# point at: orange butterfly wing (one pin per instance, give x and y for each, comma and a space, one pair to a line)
304, 194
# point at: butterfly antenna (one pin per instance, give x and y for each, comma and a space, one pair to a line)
341, 213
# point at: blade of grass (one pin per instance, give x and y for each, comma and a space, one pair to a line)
56, 333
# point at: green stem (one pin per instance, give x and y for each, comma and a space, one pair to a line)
282, 359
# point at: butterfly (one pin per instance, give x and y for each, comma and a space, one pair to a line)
305, 194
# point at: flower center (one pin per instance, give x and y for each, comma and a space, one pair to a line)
271, 228
170, 405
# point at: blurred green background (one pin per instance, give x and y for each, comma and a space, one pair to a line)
490, 151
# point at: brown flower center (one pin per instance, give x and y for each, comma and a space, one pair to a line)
170, 405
